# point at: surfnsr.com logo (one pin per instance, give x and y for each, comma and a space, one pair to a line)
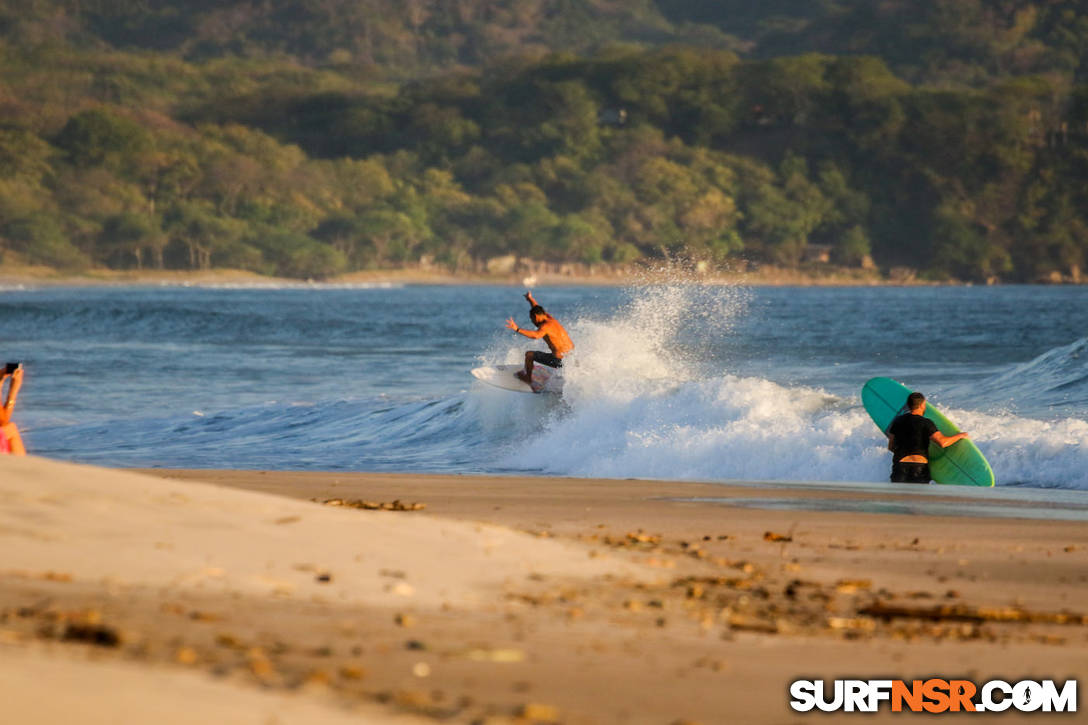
933, 696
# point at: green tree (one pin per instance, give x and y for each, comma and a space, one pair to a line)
785, 91
782, 216
126, 237
583, 237
98, 136
388, 236
529, 228
852, 247
962, 248
300, 256
205, 235
25, 158
25, 169
343, 233
42, 240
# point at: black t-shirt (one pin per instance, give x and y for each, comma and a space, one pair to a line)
911, 433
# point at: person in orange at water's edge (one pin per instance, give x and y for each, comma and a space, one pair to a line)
10, 440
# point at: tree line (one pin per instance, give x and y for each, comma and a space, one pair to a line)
924, 41
142, 159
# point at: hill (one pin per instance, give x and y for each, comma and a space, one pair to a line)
924, 41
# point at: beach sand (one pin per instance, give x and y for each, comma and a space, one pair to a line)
216, 596
820, 275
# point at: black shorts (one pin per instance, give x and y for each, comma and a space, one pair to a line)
910, 472
546, 358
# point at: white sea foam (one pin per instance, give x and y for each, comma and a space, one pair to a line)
749, 428
724, 428
1031, 452
636, 408
281, 285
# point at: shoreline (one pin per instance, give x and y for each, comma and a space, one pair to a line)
765, 277
502, 599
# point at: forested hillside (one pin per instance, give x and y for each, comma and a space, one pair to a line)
926, 41
317, 137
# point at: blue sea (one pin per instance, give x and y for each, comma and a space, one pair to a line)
673, 381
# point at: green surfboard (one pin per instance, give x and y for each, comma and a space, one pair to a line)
961, 464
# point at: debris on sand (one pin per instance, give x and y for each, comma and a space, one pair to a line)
99, 635
394, 505
186, 656
852, 586
502, 656
965, 613
537, 712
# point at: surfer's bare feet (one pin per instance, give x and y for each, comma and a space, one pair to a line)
524, 377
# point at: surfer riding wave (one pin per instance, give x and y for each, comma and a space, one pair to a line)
553, 333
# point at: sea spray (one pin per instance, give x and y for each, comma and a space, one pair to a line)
657, 331
723, 428
1029, 452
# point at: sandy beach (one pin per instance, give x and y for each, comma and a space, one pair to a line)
826, 275
249, 596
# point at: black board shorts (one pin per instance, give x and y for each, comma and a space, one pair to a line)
910, 472
546, 358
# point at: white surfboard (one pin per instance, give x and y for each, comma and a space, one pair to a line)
545, 379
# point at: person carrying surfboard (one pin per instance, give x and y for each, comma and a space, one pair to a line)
908, 439
554, 334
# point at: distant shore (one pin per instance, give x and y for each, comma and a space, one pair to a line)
764, 276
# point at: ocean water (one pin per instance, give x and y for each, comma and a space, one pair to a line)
676, 381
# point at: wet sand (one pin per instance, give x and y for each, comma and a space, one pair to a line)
518, 599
